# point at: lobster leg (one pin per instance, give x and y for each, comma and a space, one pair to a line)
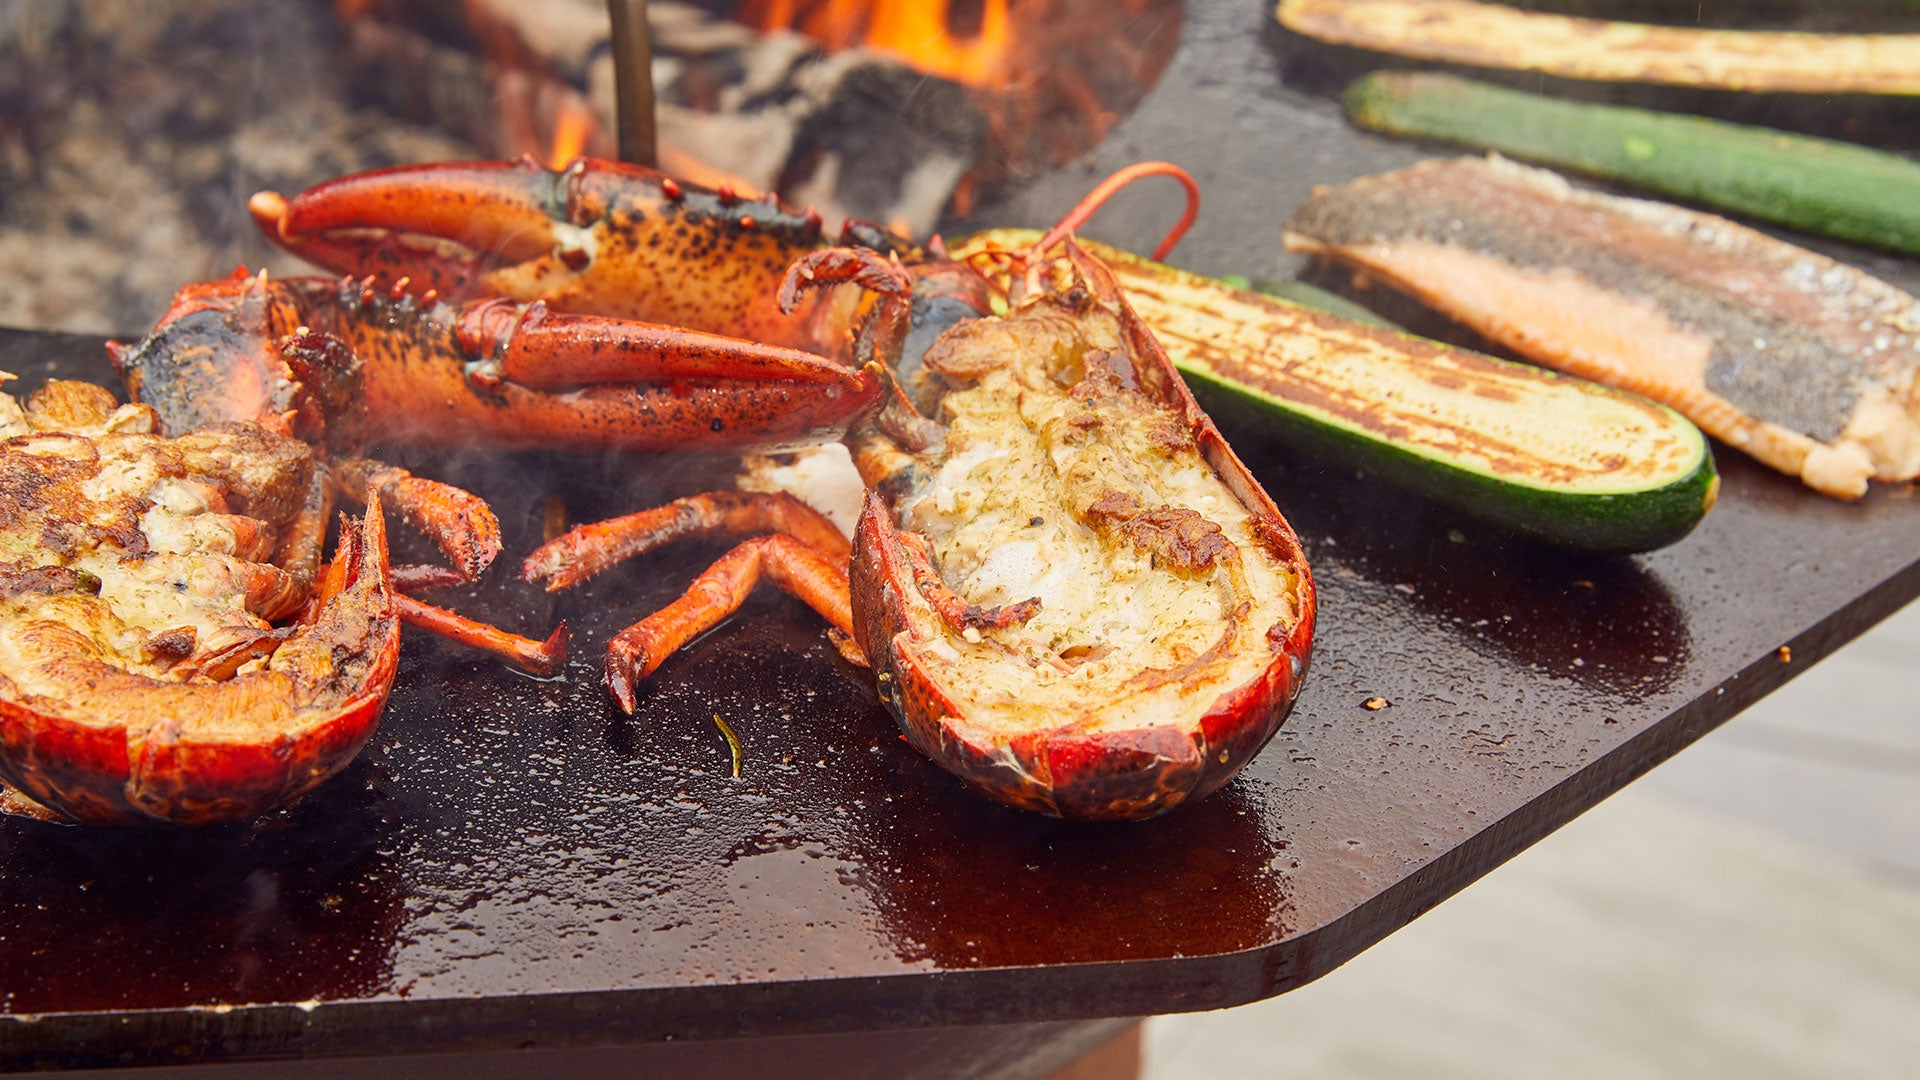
803, 553
469, 535
806, 555
461, 523
589, 549
540, 658
812, 576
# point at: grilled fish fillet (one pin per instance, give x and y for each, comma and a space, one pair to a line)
1807, 364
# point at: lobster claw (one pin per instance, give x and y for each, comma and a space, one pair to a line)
374, 223
595, 237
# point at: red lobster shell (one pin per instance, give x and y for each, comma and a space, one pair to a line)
1148, 687
141, 678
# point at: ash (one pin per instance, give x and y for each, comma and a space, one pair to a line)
854, 133
133, 131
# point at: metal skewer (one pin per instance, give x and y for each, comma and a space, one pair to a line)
633, 81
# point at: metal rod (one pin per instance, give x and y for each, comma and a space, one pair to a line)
633, 82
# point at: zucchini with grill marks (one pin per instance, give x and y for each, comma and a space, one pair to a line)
1498, 36
1555, 457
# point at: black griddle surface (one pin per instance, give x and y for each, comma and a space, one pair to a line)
515, 863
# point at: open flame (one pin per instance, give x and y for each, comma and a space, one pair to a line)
922, 34
892, 111
572, 127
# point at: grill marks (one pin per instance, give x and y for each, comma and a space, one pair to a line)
1326, 366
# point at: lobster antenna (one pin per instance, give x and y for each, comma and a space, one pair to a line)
1096, 198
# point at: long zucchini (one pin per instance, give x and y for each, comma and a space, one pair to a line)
1498, 36
1818, 185
1556, 457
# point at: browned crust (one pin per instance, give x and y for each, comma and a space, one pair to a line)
88, 768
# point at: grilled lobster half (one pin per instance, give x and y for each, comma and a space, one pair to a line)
170, 651
1074, 595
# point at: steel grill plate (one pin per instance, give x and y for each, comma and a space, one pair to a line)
514, 863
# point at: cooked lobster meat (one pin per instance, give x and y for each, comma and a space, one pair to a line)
1076, 598
170, 652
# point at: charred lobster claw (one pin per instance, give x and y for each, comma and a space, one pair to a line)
142, 677
596, 237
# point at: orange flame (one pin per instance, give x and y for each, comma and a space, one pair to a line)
919, 33
677, 162
572, 126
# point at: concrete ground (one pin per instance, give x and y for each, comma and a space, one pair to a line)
1750, 909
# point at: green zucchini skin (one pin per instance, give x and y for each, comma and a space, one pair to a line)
1382, 401
1817, 185
1610, 523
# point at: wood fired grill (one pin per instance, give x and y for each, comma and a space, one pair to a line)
183, 110
514, 864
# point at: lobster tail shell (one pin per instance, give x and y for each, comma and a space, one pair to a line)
1065, 772
197, 760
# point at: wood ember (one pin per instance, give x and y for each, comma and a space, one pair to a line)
855, 132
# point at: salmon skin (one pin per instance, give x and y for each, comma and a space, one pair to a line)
1807, 364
